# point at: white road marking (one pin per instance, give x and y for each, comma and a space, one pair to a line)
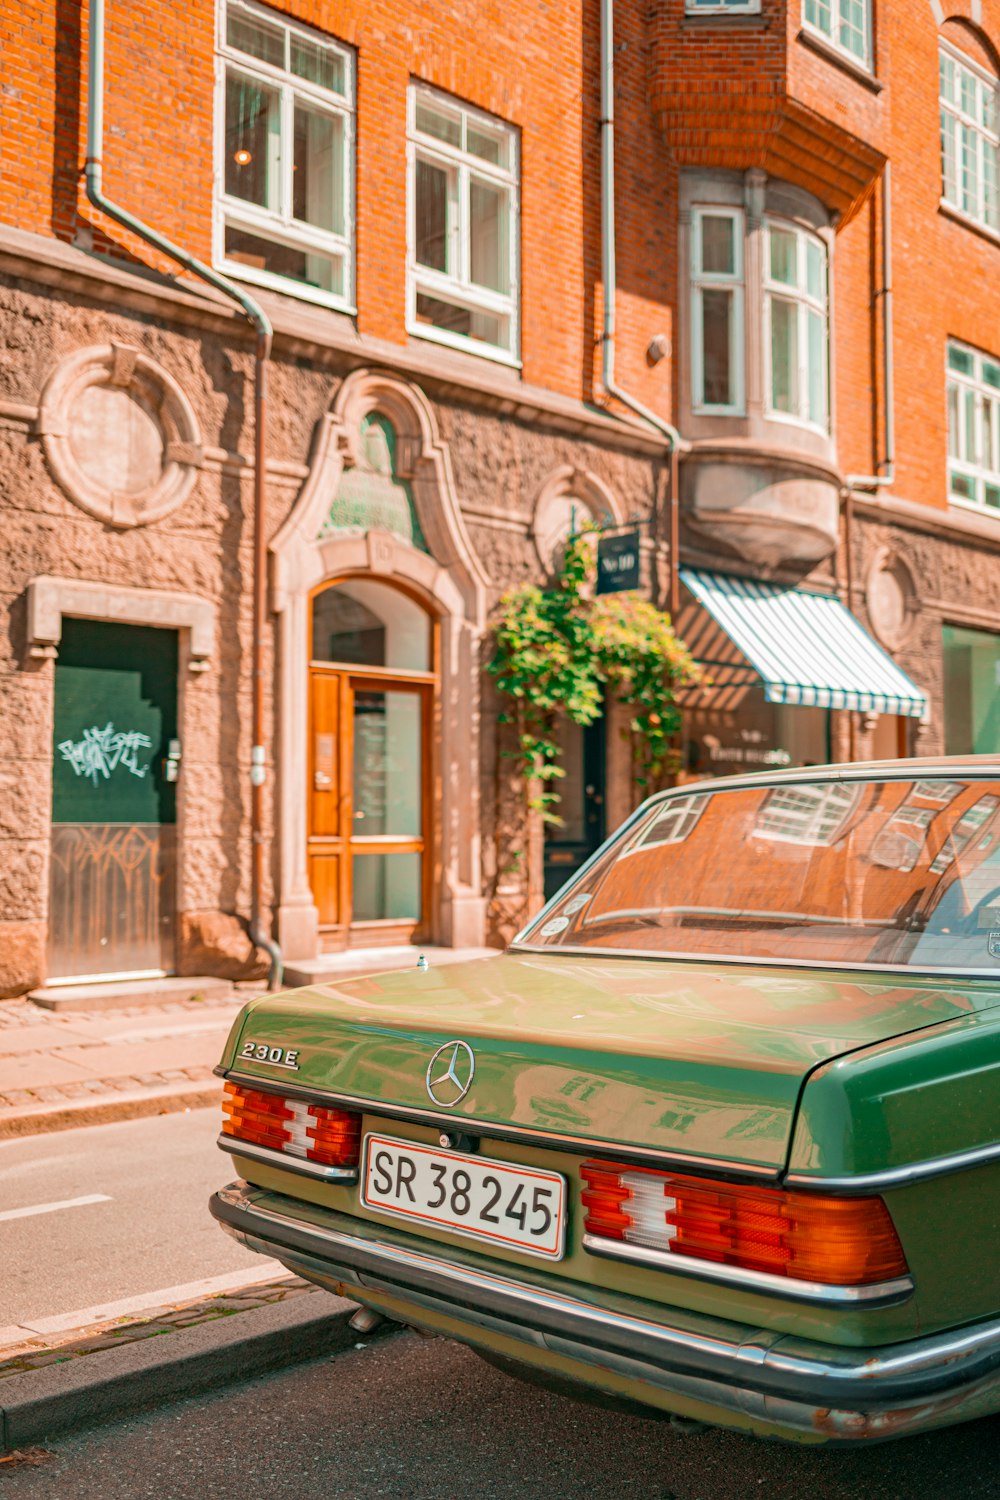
209, 1286
52, 1208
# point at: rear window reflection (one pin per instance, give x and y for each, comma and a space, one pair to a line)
898, 873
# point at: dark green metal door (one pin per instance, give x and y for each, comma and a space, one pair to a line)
114, 862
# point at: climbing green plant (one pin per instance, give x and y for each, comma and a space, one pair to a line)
559, 649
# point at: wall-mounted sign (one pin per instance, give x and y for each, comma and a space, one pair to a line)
618, 563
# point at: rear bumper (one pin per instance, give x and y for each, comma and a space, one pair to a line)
742, 1377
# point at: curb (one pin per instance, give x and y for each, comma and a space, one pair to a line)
113, 1383
37, 1119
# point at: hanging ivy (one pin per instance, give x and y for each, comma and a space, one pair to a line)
559, 650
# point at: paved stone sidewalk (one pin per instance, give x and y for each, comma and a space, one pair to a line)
42, 1350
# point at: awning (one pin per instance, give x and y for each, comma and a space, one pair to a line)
808, 649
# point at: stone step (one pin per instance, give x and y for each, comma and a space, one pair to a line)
352, 963
123, 994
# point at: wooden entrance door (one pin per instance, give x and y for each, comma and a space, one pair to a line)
369, 851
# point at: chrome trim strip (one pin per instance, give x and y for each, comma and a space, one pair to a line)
297, 1164
780, 1367
724, 1171
903, 972
890, 1177
879, 1294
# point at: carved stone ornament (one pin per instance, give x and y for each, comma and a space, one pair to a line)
568, 501
891, 598
119, 435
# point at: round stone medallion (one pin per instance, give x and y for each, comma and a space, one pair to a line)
119, 435
891, 598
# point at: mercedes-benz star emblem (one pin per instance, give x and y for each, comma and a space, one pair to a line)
450, 1073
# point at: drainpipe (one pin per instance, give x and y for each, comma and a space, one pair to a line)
674, 440
873, 482
256, 315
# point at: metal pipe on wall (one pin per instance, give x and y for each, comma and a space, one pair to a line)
668, 431
261, 323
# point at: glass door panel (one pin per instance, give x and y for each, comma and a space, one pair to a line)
388, 780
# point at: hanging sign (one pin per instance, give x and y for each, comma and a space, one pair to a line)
618, 563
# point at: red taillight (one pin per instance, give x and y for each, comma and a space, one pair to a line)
836, 1241
331, 1137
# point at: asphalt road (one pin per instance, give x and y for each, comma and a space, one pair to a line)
150, 1230
424, 1419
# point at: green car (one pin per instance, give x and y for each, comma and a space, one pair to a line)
719, 1133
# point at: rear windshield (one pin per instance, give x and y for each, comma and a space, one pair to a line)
898, 873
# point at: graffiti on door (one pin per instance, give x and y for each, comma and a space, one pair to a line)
101, 751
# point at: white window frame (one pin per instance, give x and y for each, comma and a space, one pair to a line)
278, 225
979, 214
460, 289
831, 38
986, 411
805, 303
675, 821
722, 7
735, 283
813, 814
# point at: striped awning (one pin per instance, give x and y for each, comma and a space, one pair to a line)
807, 648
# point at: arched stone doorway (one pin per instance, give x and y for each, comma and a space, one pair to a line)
375, 558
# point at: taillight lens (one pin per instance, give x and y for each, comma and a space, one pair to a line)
331, 1137
837, 1241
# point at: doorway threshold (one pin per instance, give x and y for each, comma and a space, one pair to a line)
353, 963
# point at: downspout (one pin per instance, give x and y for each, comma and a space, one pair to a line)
873, 482
674, 440
256, 315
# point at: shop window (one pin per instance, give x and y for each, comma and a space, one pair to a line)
845, 24
973, 427
463, 194
717, 309
795, 304
808, 814
286, 136
970, 139
971, 691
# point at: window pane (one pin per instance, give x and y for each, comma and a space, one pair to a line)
252, 141
318, 64
370, 624
783, 256
489, 235
991, 374
474, 325
971, 695
386, 887
718, 245
446, 127
954, 439
318, 184
969, 426
716, 343
959, 359
255, 38
949, 155
852, 27
488, 145
816, 270
817, 368
326, 272
784, 355
818, 15
432, 216
387, 777
970, 168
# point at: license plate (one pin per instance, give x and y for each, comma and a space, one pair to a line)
523, 1208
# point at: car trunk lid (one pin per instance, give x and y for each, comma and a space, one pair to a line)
692, 1060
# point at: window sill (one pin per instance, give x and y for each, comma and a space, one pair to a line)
463, 345
299, 290
968, 222
955, 502
843, 60
742, 18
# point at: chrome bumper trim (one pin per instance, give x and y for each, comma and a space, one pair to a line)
890, 1177
878, 1294
297, 1164
841, 1393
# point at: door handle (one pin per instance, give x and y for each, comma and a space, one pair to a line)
321, 781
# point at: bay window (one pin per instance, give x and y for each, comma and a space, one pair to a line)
463, 201
717, 309
973, 427
285, 186
796, 312
970, 139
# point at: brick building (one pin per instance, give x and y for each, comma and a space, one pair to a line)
807, 232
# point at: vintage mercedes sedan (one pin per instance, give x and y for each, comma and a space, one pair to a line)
719, 1133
